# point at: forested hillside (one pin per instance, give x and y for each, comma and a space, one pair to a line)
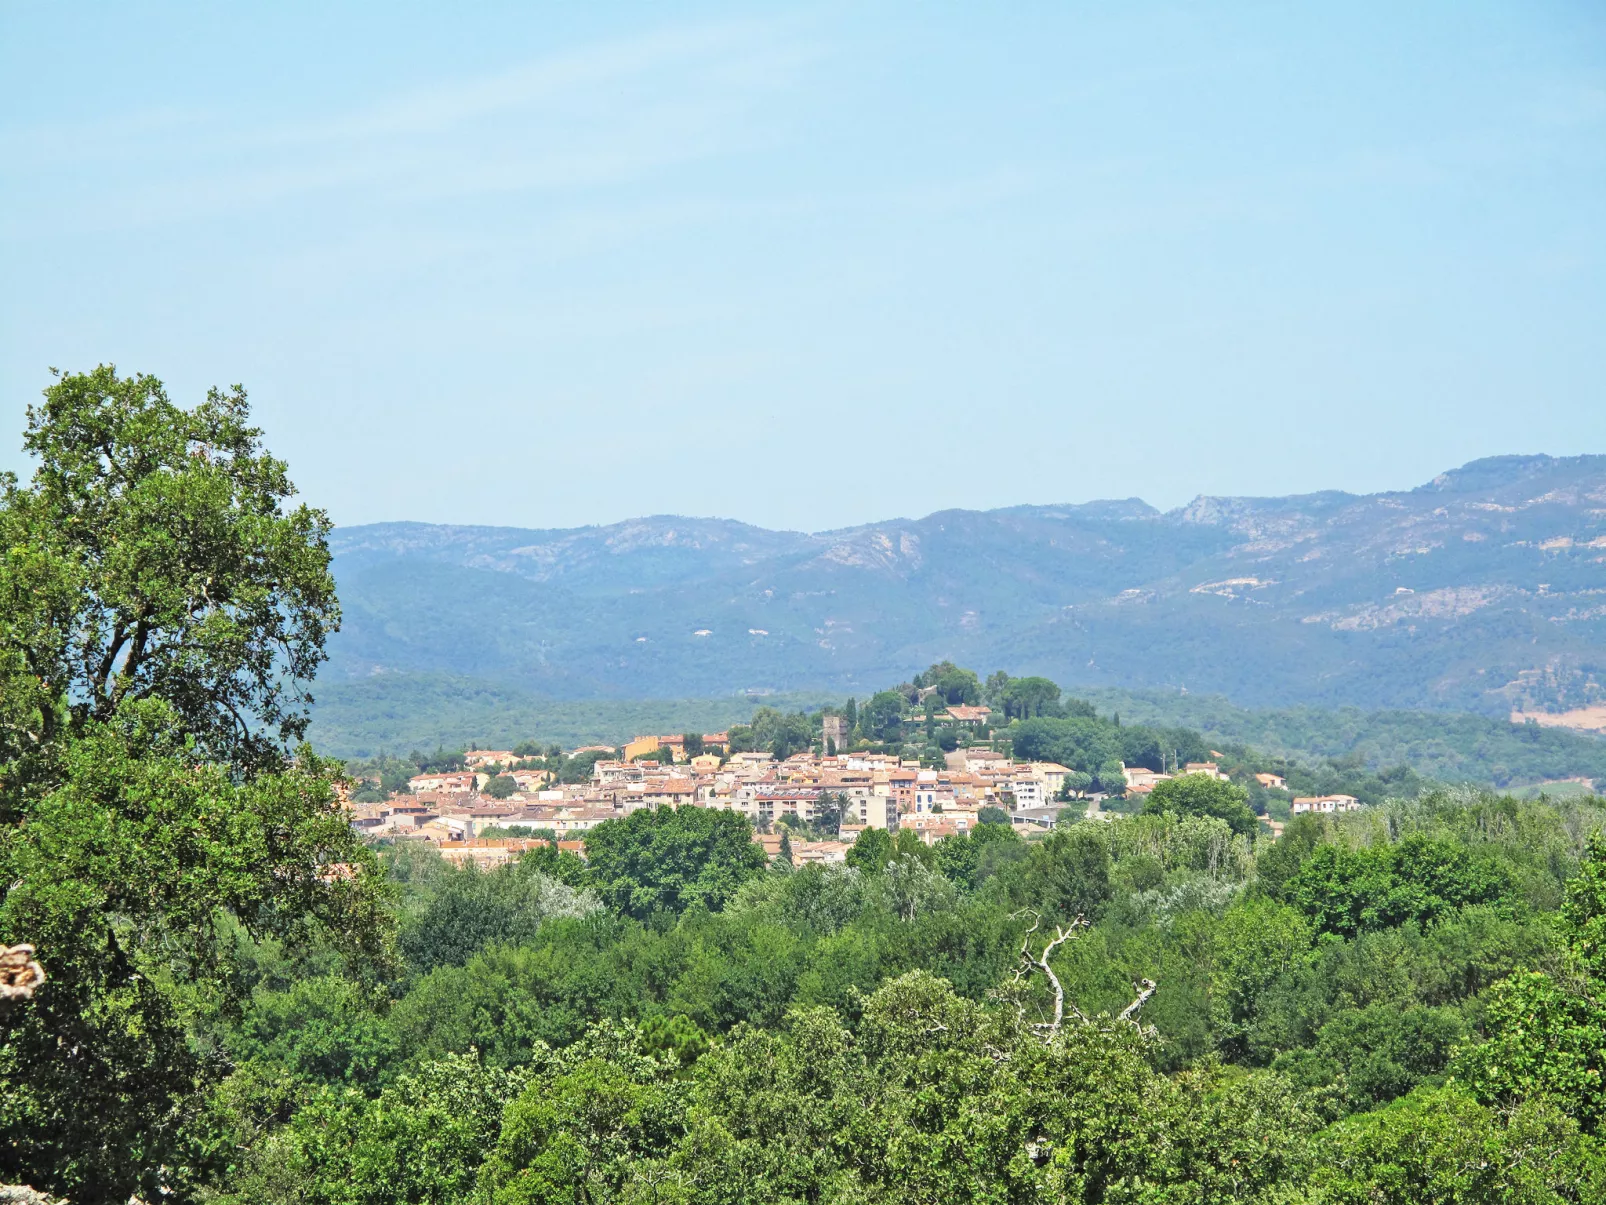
391, 713
1479, 592
1447, 746
395, 713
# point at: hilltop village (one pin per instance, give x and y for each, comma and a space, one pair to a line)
930, 757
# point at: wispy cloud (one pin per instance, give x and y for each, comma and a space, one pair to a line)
560, 79
600, 115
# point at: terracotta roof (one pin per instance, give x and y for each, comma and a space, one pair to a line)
669, 786
964, 711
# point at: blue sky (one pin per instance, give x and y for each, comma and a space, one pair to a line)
813, 265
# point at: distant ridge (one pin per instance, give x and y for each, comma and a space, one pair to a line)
1482, 590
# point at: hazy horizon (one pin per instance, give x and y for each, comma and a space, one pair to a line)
911, 516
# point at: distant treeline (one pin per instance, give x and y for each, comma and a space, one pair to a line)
1369, 754
392, 713
1445, 745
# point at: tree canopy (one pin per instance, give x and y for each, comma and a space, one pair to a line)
1123, 1011
152, 556
952, 684
669, 858
1024, 698
161, 614
1203, 795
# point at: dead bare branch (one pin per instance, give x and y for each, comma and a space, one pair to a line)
1146, 989
1062, 934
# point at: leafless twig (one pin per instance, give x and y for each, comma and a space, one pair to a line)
1130, 1012
1062, 934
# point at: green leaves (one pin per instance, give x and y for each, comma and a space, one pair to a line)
1546, 1035
834, 1034
473, 909
603, 1114
1421, 879
1202, 795
1442, 1146
118, 877
420, 1140
1584, 911
1023, 698
1543, 1041
668, 859
161, 613
1068, 874
162, 563
139, 830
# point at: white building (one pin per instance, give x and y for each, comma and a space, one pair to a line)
1325, 804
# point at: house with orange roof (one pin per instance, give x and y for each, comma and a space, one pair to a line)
1140, 780
640, 747
487, 854
670, 792
824, 852
964, 715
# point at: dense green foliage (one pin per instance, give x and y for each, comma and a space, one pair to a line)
1547, 1029
774, 731
1200, 795
1099, 747
1399, 1005
161, 612
668, 859
1350, 891
1444, 745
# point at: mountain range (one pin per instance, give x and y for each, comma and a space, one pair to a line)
1483, 590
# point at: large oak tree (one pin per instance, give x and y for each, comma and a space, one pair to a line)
163, 609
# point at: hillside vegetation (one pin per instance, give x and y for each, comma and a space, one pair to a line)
1480, 591
1447, 746
390, 714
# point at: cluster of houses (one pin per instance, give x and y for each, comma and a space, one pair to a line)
851, 792
847, 792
